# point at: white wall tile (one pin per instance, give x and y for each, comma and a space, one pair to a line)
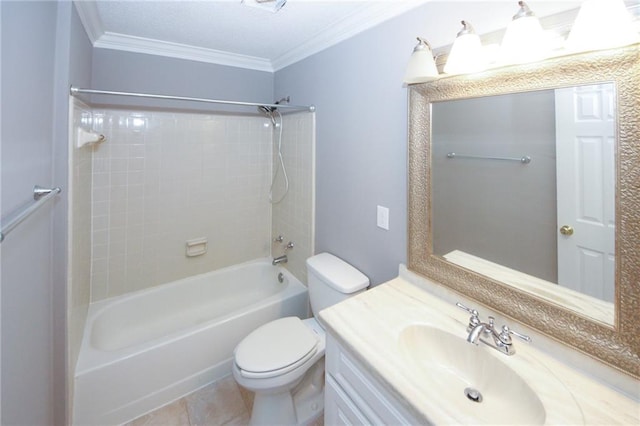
79, 238
293, 217
162, 178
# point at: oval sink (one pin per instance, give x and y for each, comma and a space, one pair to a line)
474, 385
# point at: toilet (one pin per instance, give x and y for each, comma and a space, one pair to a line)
283, 360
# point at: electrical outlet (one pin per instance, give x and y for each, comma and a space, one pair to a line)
383, 218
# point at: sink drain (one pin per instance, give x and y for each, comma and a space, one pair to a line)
473, 394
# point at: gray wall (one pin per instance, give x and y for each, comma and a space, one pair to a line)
43, 48
361, 121
27, 159
135, 72
502, 211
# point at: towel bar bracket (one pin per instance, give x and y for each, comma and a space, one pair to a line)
40, 195
39, 191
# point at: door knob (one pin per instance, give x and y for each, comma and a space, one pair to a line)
566, 230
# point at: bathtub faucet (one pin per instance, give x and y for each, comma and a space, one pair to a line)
279, 259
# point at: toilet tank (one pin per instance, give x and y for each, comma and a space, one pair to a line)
332, 280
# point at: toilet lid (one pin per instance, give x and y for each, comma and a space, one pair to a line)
276, 345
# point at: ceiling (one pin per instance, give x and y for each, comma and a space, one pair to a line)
228, 32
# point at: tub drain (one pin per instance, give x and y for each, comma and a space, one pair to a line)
280, 277
473, 394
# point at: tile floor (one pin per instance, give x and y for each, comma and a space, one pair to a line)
221, 403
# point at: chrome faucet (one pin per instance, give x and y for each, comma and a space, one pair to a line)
474, 334
481, 331
279, 259
283, 258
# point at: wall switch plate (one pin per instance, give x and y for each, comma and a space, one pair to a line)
383, 218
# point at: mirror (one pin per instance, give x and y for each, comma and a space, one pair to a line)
613, 338
523, 191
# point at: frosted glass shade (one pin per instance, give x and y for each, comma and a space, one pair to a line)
421, 66
602, 24
466, 55
524, 41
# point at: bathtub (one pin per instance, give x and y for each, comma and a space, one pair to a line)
145, 349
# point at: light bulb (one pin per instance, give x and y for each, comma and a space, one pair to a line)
466, 54
421, 66
602, 24
524, 40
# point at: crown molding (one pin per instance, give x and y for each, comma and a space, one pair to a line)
90, 18
346, 28
181, 51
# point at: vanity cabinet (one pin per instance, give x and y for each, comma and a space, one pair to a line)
354, 397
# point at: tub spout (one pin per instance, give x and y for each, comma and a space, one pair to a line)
279, 259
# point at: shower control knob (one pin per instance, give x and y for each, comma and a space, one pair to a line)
289, 245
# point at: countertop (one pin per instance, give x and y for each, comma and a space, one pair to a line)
369, 325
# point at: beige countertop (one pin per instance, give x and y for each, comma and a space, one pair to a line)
369, 326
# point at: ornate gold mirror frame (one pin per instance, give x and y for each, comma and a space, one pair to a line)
618, 347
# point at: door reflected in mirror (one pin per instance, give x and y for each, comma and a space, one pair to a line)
523, 189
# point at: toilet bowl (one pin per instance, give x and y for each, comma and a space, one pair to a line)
273, 360
283, 360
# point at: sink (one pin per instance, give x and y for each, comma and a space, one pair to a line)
473, 384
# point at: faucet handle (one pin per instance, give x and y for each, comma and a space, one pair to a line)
473, 312
506, 333
473, 320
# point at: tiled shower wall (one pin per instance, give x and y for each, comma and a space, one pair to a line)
293, 217
163, 178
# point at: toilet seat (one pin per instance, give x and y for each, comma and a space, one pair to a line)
276, 348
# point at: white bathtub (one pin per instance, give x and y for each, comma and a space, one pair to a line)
145, 349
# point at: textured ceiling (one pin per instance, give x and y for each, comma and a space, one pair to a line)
226, 25
230, 33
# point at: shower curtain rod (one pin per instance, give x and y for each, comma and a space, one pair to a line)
77, 91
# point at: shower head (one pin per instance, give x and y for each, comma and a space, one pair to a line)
266, 109
269, 110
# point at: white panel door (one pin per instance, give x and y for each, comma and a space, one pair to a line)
585, 147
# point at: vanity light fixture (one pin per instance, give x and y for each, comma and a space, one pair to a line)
602, 24
466, 54
524, 40
422, 66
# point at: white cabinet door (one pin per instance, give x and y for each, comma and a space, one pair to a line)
356, 396
339, 409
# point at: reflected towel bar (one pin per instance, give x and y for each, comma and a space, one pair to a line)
41, 195
524, 160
